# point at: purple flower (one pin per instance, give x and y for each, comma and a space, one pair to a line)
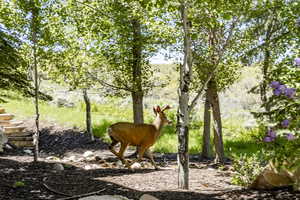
297, 62
274, 84
290, 136
271, 134
268, 139
282, 88
276, 92
290, 92
285, 123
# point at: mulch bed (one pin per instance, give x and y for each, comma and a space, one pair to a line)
41, 181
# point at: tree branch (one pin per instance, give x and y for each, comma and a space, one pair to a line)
103, 83
266, 43
216, 64
95, 9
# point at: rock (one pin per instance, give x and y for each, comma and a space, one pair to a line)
88, 154
148, 197
105, 197
52, 158
106, 165
271, 178
118, 164
58, 167
146, 164
92, 166
72, 159
136, 166
90, 158
27, 151
87, 167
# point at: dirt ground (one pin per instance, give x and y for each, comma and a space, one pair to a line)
101, 173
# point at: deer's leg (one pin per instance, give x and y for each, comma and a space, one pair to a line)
121, 153
111, 146
141, 152
149, 154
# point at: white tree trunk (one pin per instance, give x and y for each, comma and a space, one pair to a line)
183, 109
34, 30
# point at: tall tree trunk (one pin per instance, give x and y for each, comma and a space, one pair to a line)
137, 104
88, 115
266, 64
34, 30
137, 93
217, 123
183, 109
206, 131
264, 85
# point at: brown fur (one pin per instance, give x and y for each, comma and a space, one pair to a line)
141, 135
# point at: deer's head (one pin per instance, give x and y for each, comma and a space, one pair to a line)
162, 116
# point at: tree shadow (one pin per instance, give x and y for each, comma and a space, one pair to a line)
40, 181
61, 141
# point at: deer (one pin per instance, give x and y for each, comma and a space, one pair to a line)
141, 135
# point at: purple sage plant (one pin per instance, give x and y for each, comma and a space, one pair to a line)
274, 84
268, 139
297, 62
282, 88
290, 136
277, 92
285, 123
290, 92
271, 133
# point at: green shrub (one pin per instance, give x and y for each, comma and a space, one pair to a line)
18, 184
247, 168
100, 130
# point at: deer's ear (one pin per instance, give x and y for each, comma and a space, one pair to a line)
158, 109
166, 107
154, 110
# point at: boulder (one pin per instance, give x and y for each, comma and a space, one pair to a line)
136, 166
58, 167
271, 177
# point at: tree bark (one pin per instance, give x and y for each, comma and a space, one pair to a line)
137, 104
88, 115
206, 131
137, 92
217, 123
266, 64
183, 109
34, 30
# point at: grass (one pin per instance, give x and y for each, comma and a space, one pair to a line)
236, 139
